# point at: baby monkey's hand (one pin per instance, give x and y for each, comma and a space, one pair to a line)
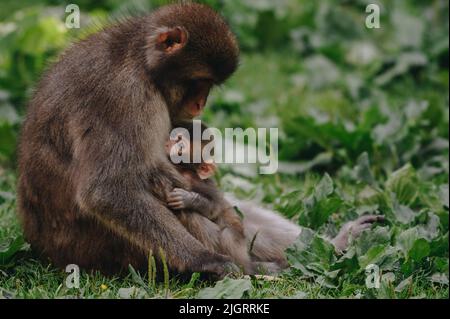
180, 199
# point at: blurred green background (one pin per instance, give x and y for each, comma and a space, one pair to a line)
311, 68
363, 113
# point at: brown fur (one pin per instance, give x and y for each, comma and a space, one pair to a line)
222, 231
92, 167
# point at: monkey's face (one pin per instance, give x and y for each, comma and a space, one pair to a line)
191, 51
195, 98
186, 99
178, 146
206, 170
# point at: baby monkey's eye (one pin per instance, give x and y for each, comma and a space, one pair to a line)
181, 147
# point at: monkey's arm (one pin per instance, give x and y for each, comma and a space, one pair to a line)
354, 229
180, 199
111, 186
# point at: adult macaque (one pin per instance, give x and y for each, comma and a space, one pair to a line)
93, 172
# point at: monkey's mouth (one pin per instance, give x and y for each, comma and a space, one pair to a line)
197, 112
196, 109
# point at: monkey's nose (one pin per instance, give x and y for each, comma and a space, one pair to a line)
201, 105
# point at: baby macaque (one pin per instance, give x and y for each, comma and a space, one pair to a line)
207, 215
203, 210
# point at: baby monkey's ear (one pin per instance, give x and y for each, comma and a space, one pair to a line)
206, 170
171, 40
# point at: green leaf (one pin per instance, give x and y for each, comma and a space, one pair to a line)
226, 289
320, 205
9, 248
413, 245
443, 195
324, 189
363, 172
311, 254
431, 229
131, 293
419, 250
378, 236
406, 239
404, 214
404, 184
7, 139
348, 263
405, 62
385, 257
439, 246
137, 278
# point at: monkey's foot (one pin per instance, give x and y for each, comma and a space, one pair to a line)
220, 270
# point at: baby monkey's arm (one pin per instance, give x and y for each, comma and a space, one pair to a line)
180, 199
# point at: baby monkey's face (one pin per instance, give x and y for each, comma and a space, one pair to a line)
176, 147
181, 146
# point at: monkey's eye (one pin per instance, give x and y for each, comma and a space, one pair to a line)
181, 148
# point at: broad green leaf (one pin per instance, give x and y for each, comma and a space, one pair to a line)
404, 214
226, 289
440, 264
348, 263
319, 206
431, 229
419, 250
132, 293
9, 248
404, 184
385, 257
311, 254
324, 189
439, 246
378, 236
406, 239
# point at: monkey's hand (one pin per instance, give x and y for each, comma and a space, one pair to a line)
354, 229
179, 199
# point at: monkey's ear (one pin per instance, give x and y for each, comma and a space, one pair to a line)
171, 40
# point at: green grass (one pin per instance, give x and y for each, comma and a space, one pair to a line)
26, 277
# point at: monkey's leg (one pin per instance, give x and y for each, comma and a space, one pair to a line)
203, 229
226, 241
234, 244
269, 232
148, 225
